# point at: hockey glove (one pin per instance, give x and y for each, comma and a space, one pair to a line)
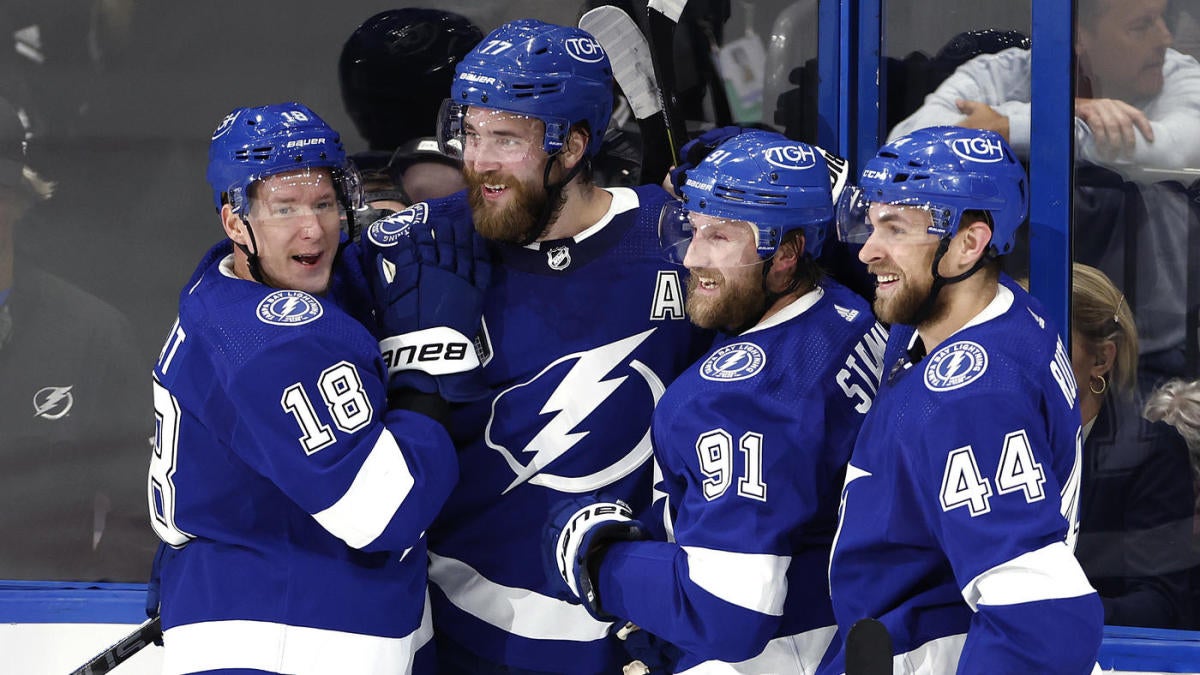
576, 537
428, 282
694, 151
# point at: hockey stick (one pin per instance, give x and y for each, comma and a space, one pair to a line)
633, 69
839, 172
144, 635
662, 16
868, 649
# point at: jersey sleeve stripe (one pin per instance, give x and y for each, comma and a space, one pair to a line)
516, 610
364, 511
1049, 573
755, 581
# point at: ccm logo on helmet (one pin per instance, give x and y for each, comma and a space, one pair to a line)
978, 149
585, 49
791, 157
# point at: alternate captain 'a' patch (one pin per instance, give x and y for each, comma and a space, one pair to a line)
738, 361
955, 365
289, 308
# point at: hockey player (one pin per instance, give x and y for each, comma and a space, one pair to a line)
287, 473
752, 440
959, 511
585, 326
394, 72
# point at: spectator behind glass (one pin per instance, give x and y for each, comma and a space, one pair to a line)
1136, 498
73, 431
394, 72
1137, 107
1138, 101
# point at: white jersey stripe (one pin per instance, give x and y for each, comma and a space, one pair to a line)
1049, 573
756, 581
279, 648
516, 610
382, 483
798, 654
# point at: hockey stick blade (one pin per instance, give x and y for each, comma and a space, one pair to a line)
629, 53
633, 69
839, 172
868, 649
144, 635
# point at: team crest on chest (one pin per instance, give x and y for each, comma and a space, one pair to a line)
289, 308
955, 366
737, 361
558, 258
604, 387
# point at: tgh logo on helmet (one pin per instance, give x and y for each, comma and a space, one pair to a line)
978, 149
791, 156
585, 49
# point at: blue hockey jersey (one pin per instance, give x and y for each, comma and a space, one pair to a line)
584, 334
297, 501
960, 506
752, 442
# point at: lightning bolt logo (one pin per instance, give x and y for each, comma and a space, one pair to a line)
581, 391
53, 403
955, 366
289, 308
733, 362
956, 360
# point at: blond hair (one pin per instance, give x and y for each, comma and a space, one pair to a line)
1099, 313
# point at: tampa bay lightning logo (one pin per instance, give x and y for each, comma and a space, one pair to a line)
289, 308
600, 389
730, 363
790, 156
585, 49
955, 366
986, 150
52, 403
387, 231
226, 124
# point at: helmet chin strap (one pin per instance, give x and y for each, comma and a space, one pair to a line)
251, 258
926, 309
553, 192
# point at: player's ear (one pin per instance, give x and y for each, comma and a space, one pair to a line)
575, 146
973, 239
234, 227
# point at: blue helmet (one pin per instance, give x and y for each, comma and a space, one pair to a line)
767, 179
952, 170
557, 74
255, 143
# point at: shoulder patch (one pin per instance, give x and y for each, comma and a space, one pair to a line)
955, 365
738, 361
289, 308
